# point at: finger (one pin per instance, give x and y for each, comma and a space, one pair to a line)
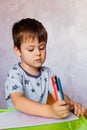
76, 109
64, 114
61, 102
63, 108
83, 111
79, 110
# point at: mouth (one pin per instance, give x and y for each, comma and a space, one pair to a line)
38, 60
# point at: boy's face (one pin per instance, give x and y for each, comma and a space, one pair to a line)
32, 53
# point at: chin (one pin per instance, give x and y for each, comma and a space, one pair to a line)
38, 66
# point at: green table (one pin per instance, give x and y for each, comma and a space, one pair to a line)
80, 124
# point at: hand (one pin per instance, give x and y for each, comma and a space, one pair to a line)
69, 102
78, 109
61, 109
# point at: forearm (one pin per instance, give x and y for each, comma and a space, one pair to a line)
34, 108
56, 110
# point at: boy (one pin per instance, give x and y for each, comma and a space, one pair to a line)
28, 82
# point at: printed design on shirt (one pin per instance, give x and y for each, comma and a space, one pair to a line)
18, 74
27, 82
32, 90
12, 77
42, 69
15, 87
45, 79
8, 75
41, 95
38, 84
8, 97
14, 68
32, 87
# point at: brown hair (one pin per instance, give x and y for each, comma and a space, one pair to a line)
28, 28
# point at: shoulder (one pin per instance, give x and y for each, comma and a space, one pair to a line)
15, 67
47, 70
15, 70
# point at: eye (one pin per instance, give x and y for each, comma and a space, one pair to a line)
30, 49
42, 47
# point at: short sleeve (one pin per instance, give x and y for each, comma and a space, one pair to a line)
13, 83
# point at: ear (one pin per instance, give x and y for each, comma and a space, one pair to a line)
17, 51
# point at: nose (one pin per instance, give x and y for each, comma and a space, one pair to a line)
38, 51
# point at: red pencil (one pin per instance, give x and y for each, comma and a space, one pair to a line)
55, 87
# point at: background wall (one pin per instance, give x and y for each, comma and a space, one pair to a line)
66, 23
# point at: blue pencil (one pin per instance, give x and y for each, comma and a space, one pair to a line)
60, 88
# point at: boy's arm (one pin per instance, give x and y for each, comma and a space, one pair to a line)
28, 106
75, 107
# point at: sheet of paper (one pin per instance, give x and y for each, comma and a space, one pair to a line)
14, 119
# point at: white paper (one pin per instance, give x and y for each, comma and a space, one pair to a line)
14, 119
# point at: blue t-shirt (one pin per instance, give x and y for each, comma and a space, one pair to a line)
33, 87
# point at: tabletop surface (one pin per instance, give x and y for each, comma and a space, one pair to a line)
80, 124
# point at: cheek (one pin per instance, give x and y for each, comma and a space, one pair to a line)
44, 53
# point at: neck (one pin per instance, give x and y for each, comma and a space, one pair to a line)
30, 70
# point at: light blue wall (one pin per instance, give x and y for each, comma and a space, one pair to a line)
66, 23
